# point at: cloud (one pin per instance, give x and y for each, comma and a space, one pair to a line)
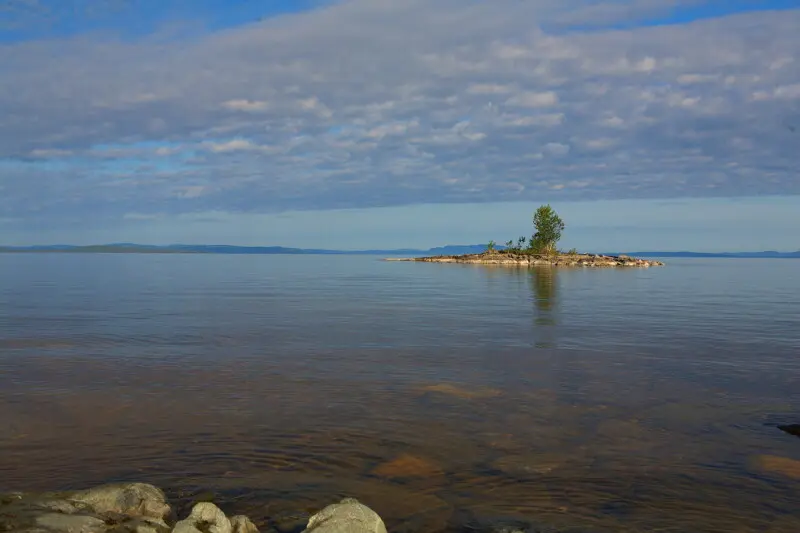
234, 145
367, 103
534, 99
248, 106
489, 88
49, 153
194, 191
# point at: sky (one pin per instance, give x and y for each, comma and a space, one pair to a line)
351, 124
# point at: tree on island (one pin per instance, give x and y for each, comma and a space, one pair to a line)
548, 226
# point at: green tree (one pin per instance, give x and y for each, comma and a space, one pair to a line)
491, 246
548, 226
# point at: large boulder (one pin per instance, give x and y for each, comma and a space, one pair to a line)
242, 524
119, 508
129, 499
347, 516
208, 518
122, 508
204, 518
70, 523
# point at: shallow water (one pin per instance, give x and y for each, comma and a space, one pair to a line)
604, 400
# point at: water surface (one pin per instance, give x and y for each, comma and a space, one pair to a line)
604, 400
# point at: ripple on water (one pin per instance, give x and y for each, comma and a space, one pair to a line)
445, 398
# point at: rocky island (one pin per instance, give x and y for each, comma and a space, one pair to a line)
529, 259
540, 250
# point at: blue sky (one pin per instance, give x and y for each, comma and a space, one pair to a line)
650, 124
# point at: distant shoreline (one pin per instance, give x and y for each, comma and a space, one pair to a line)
450, 250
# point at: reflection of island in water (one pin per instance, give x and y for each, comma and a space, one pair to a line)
544, 289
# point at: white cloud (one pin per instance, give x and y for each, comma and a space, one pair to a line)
489, 88
164, 151
194, 191
398, 128
534, 99
234, 145
691, 79
248, 106
369, 103
788, 92
557, 149
602, 143
550, 119
49, 153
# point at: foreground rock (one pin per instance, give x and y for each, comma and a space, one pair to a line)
347, 516
118, 508
512, 259
122, 508
142, 508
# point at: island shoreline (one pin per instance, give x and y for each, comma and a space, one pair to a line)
536, 260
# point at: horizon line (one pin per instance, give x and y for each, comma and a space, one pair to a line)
412, 249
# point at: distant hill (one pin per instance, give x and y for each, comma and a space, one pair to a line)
459, 249
131, 248
731, 255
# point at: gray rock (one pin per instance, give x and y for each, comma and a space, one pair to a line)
58, 506
131, 499
242, 524
67, 523
204, 518
347, 516
139, 525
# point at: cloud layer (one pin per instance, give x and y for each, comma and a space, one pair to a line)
389, 102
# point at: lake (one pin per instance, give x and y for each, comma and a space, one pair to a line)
443, 396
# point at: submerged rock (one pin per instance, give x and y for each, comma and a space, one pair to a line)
347, 516
464, 393
289, 522
778, 465
526, 466
471, 523
406, 466
791, 429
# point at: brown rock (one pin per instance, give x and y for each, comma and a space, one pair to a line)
778, 465
461, 392
406, 466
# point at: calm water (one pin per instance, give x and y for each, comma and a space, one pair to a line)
440, 395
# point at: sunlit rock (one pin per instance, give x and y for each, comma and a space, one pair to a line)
347, 516
205, 518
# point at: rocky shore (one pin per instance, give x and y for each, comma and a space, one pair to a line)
521, 259
142, 508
